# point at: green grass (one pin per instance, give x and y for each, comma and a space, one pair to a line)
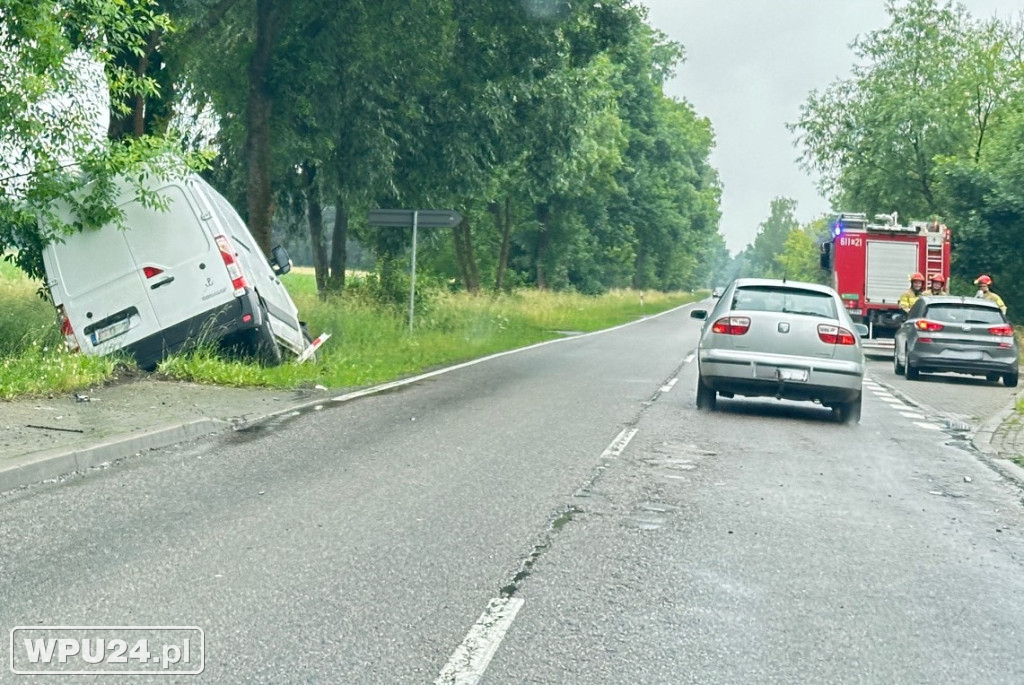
370, 343
33, 360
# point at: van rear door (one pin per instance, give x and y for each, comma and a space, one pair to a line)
93, 274
178, 263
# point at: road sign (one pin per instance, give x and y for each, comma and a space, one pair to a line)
425, 218
414, 218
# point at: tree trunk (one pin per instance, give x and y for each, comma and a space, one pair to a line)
315, 216
543, 213
504, 225
460, 253
258, 196
336, 282
473, 273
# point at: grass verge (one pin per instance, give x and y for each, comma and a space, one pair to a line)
370, 343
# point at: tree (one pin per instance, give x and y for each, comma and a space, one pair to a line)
51, 119
927, 86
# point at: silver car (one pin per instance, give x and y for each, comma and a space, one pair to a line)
963, 334
783, 339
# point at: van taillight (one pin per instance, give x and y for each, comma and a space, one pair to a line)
835, 335
731, 325
233, 267
66, 330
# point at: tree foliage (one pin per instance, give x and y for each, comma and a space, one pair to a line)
929, 125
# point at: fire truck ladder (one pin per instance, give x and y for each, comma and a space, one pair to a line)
934, 258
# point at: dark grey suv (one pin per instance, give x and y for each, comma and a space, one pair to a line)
962, 334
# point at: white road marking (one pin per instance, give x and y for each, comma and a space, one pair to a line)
470, 659
929, 426
911, 415
618, 445
668, 386
689, 358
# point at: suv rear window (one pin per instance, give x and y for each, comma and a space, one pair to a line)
964, 313
784, 300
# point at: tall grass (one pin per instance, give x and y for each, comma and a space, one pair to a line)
33, 360
370, 342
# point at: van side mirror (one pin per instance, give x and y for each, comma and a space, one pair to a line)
279, 261
826, 256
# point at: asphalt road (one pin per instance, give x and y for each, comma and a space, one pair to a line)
628, 538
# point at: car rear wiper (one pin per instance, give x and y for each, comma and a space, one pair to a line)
804, 313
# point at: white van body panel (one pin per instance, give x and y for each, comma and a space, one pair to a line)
161, 284
284, 316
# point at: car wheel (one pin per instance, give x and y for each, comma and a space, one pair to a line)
706, 397
898, 369
1010, 379
912, 373
263, 345
848, 412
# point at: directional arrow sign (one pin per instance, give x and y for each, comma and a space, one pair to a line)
425, 218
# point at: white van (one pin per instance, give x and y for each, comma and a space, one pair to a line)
174, 277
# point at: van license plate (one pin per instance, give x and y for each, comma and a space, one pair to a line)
111, 331
799, 375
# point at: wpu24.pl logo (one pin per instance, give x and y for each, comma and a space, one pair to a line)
107, 650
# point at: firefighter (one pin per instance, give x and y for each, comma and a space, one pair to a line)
984, 283
937, 285
908, 298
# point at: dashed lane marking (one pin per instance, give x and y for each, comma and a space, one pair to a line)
469, 661
668, 386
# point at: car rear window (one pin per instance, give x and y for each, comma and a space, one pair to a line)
963, 313
784, 300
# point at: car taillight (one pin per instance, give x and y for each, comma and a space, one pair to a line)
1004, 331
233, 267
150, 271
926, 325
731, 325
66, 330
835, 335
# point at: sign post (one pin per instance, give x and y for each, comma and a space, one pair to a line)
427, 218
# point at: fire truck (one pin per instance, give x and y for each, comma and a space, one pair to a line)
871, 262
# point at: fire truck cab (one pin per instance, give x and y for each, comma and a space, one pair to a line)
871, 261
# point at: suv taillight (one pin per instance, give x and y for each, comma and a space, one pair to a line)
234, 268
66, 330
835, 335
731, 325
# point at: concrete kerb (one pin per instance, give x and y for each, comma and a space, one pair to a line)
983, 440
40, 466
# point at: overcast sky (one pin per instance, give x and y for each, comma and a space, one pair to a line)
749, 66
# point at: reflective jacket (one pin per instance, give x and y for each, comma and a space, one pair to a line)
908, 299
995, 298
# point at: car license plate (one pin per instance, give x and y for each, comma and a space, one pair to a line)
111, 331
799, 375
967, 355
